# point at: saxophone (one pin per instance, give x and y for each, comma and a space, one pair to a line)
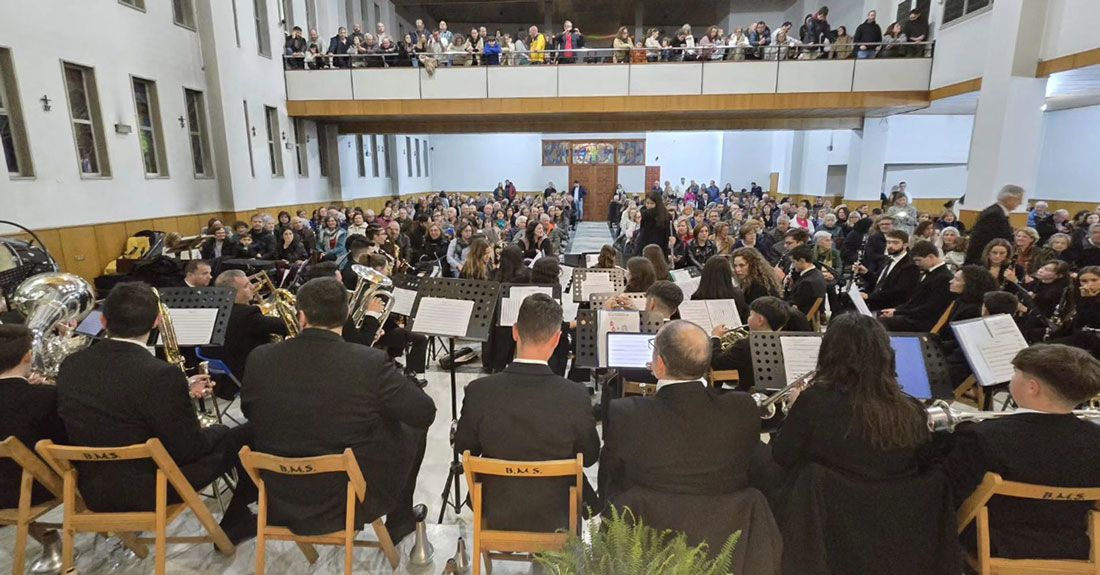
173, 356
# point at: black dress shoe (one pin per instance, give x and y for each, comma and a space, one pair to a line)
420, 381
239, 527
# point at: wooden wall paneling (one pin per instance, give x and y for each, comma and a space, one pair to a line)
135, 226
110, 240
189, 225
166, 225
81, 251
773, 182
52, 240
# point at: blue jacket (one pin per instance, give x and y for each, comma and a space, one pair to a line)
492, 55
323, 238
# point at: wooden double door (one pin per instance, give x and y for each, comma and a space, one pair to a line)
600, 183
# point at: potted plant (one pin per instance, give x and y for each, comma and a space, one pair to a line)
621, 545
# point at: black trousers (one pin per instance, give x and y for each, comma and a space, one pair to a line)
402, 515
223, 457
397, 339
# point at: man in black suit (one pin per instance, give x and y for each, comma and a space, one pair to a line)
993, 222
264, 243
931, 297
248, 328
196, 274
317, 394
897, 276
686, 439
526, 413
568, 39
810, 284
1043, 443
115, 393
339, 44
766, 314
578, 194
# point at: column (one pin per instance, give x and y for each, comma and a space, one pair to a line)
1005, 146
548, 20
867, 161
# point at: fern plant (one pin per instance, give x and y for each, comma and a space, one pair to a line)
624, 545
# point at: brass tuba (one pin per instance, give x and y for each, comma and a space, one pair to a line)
48, 301
173, 356
371, 284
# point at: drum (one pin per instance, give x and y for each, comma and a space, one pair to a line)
20, 260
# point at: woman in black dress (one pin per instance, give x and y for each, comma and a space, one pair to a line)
654, 228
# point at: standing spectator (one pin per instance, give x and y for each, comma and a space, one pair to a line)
820, 30
867, 34
708, 45
295, 48
653, 45
738, 45
357, 32
476, 45
507, 50
993, 222
916, 30
492, 52
637, 55
893, 37
406, 52
338, 46
578, 193
654, 225
537, 45
568, 40
444, 34
622, 45
521, 55
842, 47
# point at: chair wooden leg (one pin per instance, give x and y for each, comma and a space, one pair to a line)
162, 524
386, 543
20, 553
68, 536
349, 548
476, 560
261, 549
130, 541
488, 564
309, 551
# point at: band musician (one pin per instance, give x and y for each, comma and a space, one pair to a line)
247, 329
897, 277
317, 394
766, 314
115, 393
527, 395
931, 297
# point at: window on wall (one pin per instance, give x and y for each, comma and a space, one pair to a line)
236, 24
87, 123
349, 11
416, 149
955, 9
263, 37
409, 151
271, 123
374, 155
196, 131
377, 13
248, 132
300, 147
322, 150
311, 15
183, 13
150, 134
424, 146
139, 4
13, 132
287, 10
361, 154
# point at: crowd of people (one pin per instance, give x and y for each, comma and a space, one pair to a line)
815, 38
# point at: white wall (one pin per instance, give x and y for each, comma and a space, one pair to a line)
473, 163
961, 50
1068, 166
690, 155
746, 157
928, 139
1070, 27
928, 181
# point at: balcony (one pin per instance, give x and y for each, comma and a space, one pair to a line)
713, 89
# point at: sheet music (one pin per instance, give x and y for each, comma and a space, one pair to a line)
858, 301
989, 345
630, 351
689, 287
569, 309
628, 321
91, 325
509, 306
697, 313
596, 282
680, 276
193, 326
799, 355
565, 275
724, 312
591, 260
403, 300
538, 255
442, 316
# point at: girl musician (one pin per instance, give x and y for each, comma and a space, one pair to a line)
997, 259
754, 275
716, 282
1086, 313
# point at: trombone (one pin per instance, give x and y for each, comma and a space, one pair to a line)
173, 356
784, 397
371, 284
275, 302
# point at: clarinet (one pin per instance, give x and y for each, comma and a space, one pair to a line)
787, 280
859, 258
1055, 321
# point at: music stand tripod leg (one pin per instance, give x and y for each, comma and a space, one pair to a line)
454, 476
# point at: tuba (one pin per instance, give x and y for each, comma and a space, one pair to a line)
942, 417
783, 397
173, 356
48, 300
371, 284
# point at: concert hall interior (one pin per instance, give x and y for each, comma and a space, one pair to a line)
769, 287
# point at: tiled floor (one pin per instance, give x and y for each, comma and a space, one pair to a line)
589, 237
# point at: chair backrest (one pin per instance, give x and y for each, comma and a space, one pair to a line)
475, 466
61, 458
253, 462
814, 315
943, 318
12, 448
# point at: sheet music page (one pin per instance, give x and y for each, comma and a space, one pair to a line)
403, 300
972, 336
442, 316
1004, 343
628, 321
858, 301
569, 309
509, 306
91, 325
565, 275
193, 326
591, 260
680, 276
799, 355
724, 312
689, 287
596, 282
630, 351
697, 313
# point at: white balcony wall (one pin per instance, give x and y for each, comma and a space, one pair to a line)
961, 50
680, 79
585, 80
319, 85
460, 83
892, 75
815, 76
1070, 28
390, 84
523, 82
739, 77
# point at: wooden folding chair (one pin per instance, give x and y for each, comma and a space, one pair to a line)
963, 393
486, 541
253, 462
718, 377
126, 525
633, 388
814, 315
975, 508
26, 514
942, 322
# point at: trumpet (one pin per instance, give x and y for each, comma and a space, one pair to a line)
943, 417
784, 397
371, 284
173, 356
283, 305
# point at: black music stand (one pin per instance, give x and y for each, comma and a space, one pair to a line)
506, 291
10, 279
484, 294
618, 279
588, 331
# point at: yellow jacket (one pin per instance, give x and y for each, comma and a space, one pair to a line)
538, 44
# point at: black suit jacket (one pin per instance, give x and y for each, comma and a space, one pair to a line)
1045, 449
738, 356
28, 412
527, 413
931, 297
686, 439
992, 224
248, 328
809, 286
317, 394
115, 393
897, 287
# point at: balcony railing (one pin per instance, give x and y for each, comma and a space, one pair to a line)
701, 70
